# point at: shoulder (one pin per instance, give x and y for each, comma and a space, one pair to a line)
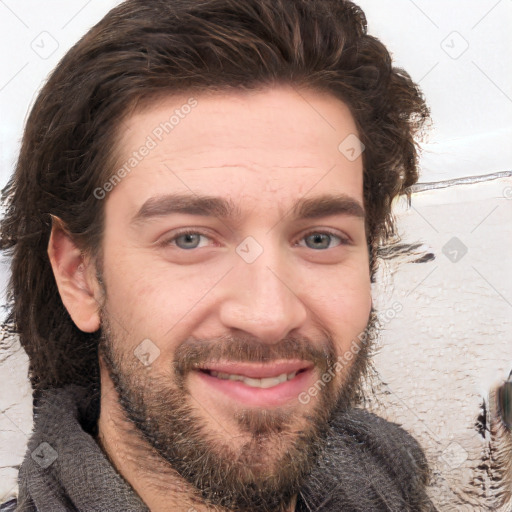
370, 463
385, 439
388, 446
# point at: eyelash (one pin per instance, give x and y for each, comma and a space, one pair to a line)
168, 241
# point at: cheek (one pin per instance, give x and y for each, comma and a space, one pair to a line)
343, 303
133, 290
153, 299
348, 311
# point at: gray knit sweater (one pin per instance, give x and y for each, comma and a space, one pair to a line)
368, 464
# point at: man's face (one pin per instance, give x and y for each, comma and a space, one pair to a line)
276, 289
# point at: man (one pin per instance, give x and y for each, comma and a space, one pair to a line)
194, 220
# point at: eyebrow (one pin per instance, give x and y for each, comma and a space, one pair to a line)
325, 205
213, 206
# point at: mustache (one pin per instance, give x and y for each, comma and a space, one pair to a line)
196, 352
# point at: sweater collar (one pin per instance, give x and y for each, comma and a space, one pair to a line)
65, 469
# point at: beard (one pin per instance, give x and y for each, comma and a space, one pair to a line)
264, 466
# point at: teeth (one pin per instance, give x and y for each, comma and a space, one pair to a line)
266, 382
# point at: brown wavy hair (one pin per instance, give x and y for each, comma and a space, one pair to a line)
147, 48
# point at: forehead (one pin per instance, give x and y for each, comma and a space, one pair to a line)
276, 141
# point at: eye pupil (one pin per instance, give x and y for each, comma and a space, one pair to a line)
318, 238
189, 238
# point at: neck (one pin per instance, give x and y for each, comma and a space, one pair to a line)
160, 487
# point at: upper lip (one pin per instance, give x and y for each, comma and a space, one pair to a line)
258, 371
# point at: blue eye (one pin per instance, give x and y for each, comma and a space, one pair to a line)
322, 239
316, 240
189, 239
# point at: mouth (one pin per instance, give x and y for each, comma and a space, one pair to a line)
257, 385
263, 382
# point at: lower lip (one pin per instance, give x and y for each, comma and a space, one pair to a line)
282, 394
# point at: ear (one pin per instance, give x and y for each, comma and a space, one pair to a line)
76, 278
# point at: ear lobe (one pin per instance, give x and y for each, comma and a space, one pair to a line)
75, 278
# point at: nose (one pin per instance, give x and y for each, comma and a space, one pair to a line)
260, 299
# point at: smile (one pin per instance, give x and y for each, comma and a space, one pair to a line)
256, 385
266, 382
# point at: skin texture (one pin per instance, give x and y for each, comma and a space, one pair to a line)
263, 150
